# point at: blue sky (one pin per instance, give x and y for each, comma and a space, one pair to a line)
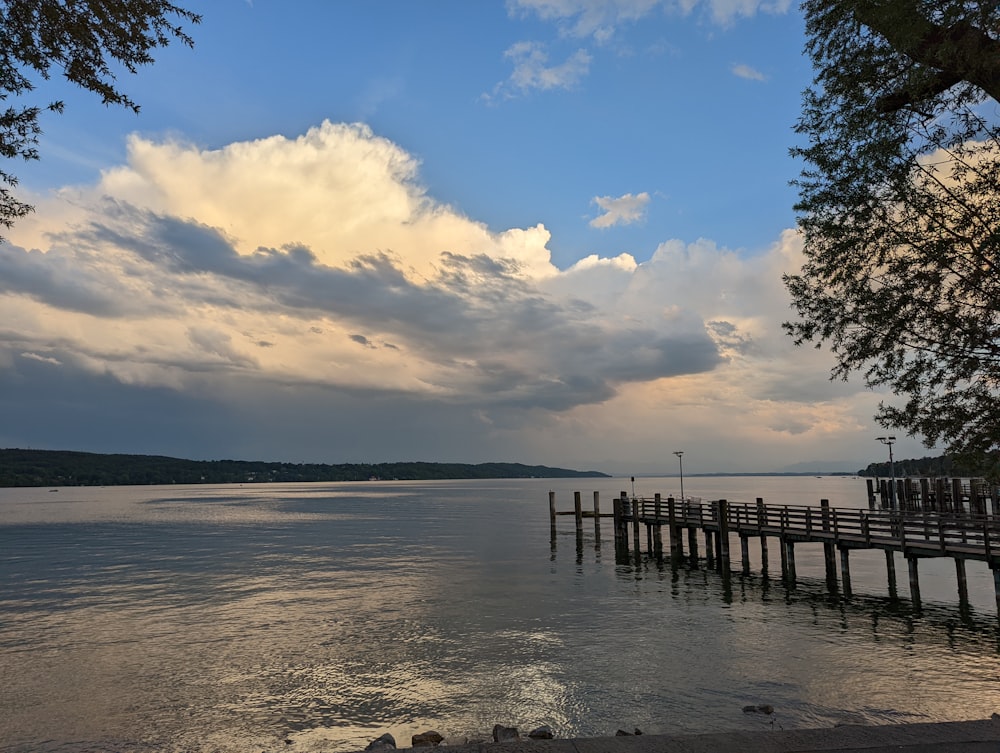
546, 231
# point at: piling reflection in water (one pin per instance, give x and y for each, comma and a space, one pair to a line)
861, 659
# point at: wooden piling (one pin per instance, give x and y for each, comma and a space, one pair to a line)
552, 513
578, 513
745, 553
995, 567
761, 523
597, 515
657, 528
620, 522
890, 571
693, 544
722, 545
956, 495
790, 559
845, 570
911, 562
635, 521
829, 550
673, 530
940, 495
963, 583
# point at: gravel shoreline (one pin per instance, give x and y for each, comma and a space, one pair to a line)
981, 736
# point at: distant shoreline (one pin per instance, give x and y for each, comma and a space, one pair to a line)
33, 468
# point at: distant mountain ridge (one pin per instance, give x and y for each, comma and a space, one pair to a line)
69, 468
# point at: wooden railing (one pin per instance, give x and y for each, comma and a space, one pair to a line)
966, 535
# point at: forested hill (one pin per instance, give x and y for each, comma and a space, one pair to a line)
62, 468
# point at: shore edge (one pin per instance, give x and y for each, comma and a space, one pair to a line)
979, 736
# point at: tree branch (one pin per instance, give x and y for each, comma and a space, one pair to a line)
960, 52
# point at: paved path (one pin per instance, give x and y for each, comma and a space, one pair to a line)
938, 737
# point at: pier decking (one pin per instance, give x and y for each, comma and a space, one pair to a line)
959, 534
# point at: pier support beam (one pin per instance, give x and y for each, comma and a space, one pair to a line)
676, 540
693, 544
578, 513
761, 523
745, 553
789, 547
845, 570
722, 510
963, 584
635, 522
657, 527
621, 523
597, 516
911, 561
709, 548
829, 550
890, 571
995, 567
552, 514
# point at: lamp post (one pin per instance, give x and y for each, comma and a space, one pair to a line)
892, 470
680, 461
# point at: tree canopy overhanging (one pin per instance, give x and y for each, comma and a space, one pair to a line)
899, 206
87, 40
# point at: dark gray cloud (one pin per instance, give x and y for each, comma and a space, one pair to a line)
498, 338
488, 345
47, 406
57, 279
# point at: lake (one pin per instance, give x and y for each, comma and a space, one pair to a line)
231, 618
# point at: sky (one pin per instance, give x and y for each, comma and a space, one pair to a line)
540, 231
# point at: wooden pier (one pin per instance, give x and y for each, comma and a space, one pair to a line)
960, 535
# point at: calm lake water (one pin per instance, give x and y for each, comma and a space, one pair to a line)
231, 618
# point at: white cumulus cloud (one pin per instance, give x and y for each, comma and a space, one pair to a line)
310, 295
623, 210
